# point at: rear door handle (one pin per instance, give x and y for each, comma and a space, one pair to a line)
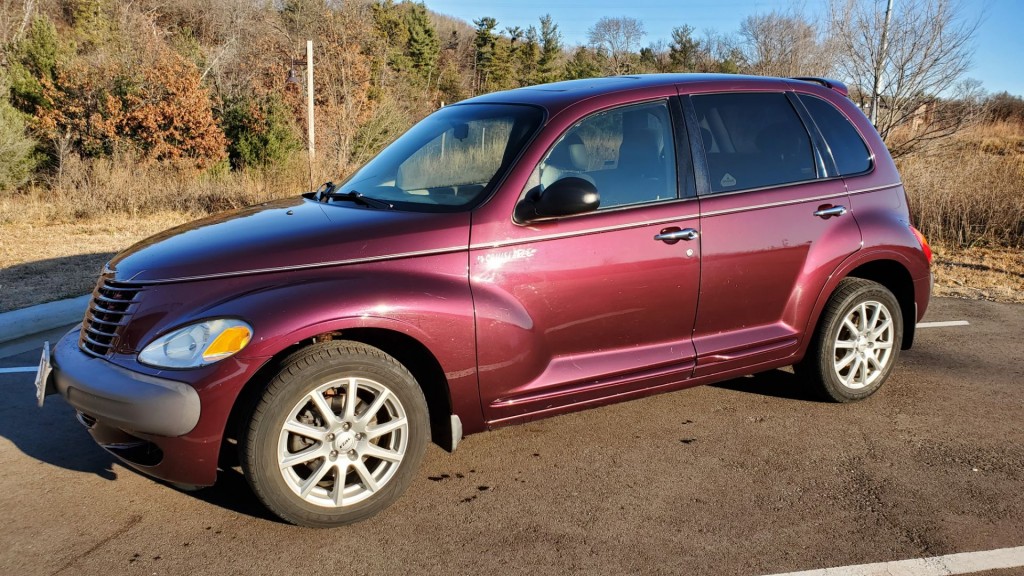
828, 211
673, 235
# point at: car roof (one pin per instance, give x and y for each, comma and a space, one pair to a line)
559, 95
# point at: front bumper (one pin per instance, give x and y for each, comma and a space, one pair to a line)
168, 429
121, 398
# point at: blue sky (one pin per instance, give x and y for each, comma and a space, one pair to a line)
997, 60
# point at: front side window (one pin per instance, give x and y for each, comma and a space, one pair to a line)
449, 159
627, 153
753, 140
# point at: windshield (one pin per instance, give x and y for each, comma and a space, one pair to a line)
450, 159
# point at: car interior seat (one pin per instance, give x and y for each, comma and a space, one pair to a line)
569, 158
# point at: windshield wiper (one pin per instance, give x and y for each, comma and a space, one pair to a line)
327, 193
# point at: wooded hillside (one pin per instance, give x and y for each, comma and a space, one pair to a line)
102, 102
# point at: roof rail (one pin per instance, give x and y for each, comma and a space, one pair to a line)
827, 83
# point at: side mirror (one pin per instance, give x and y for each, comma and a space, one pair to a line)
565, 197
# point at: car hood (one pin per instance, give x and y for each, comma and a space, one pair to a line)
287, 234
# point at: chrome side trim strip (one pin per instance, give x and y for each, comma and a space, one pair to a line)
774, 204
876, 188
801, 200
432, 252
515, 241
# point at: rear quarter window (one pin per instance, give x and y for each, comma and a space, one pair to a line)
849, 151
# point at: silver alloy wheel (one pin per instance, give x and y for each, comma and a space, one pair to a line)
343, 442
863, 346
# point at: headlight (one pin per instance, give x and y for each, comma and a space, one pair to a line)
198, 344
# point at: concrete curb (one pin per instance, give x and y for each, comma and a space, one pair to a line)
35, 319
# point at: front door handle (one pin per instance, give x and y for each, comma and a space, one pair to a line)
827, 211
673, 235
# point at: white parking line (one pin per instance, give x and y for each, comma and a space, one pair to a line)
18, 369
964, 563
943, 324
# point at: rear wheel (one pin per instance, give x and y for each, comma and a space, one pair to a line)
337, 436
856, 343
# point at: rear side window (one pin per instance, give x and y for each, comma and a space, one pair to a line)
848, 149
753, 140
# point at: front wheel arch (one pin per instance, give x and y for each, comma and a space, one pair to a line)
336, 436
407, 350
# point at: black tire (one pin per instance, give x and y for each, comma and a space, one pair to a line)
326, 372
821, 365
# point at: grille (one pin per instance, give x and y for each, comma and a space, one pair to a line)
109, 311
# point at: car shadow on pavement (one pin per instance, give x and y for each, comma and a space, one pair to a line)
774, 383
232, 492
50, 434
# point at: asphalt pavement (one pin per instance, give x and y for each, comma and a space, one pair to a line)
748, 477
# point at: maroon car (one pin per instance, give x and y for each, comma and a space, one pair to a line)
514, 256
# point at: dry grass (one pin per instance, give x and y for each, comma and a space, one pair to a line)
105, 189
969, 193
40, 262
980, 273
54, 239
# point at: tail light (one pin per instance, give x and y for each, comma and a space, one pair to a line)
924, 243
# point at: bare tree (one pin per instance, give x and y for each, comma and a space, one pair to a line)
721, 53
619, 38
15, 16
785, 44
928, 49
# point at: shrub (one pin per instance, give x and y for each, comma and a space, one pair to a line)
162, 111
18, 157
34, 61
260, 133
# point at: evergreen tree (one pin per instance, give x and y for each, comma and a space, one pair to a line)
684, 50
484, 43
585, 63
529, 57
423, 46
18, 158
392, 27
91, 21
34, 61
550, 50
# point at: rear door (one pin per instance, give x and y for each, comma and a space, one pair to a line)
774, 224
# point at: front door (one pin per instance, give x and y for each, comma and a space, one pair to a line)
580, 309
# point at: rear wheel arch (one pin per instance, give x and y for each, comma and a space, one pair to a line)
854, 346
888, 268
897, 279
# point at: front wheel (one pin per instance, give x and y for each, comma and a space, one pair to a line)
337, 435
856, 343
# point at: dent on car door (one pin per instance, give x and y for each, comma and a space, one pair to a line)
774, 225
582, 308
